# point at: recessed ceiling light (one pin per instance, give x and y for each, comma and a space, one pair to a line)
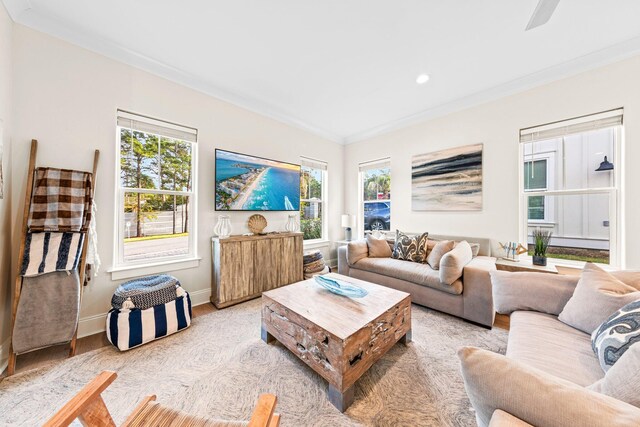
422, 79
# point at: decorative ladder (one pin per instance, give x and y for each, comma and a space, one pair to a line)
25, 221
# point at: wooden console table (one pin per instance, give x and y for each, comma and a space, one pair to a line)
524, 265
245, 266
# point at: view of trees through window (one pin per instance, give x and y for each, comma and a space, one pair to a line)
156, 182
311, 201
376, 191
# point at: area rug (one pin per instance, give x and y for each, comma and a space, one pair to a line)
219, 366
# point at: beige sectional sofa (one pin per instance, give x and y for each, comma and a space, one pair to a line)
468, 297
547, 377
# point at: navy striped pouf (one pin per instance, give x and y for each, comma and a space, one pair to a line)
127, 329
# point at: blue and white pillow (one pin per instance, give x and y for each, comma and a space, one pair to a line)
616, 334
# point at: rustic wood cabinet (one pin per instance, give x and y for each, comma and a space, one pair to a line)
246, 266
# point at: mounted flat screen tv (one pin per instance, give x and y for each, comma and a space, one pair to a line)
250, 183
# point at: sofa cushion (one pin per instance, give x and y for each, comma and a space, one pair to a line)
357, 250
453, 262
420, 274
410, 248
542, 341
543, 292
597, 295
438, 251
614, 337
622, 381
496, 382
501, 418
378, 248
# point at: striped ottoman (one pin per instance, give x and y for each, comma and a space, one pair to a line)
147, 309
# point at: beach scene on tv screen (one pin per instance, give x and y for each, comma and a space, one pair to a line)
245, 182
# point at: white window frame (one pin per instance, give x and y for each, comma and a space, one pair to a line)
323, 167
384, 163
123, 269
549, 204
589, 122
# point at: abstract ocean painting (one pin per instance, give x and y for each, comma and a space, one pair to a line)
447, 180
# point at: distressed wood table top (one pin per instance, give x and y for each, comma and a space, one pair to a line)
338, 337
342, 316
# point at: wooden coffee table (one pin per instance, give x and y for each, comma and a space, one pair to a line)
338, 337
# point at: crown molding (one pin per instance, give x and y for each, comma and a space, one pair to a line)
22, 13
600, 58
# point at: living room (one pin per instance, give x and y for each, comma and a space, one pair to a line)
533, 93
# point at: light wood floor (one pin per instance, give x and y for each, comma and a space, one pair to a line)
38, 358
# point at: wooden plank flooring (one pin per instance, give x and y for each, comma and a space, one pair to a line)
38, 358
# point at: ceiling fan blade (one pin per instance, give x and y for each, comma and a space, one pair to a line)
542, 14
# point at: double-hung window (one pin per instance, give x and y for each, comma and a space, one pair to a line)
375, 195
570, 186
313, 200
156, 197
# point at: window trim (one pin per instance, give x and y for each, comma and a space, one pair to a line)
324, 201
616, 204
122, 269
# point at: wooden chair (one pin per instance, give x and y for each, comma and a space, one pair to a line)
89, 407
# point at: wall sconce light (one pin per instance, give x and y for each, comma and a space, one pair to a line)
605, 165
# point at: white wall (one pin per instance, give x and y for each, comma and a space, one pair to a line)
6, 284
497, 125
66, 97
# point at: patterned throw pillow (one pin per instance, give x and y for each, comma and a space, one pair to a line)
617, 334
410, 248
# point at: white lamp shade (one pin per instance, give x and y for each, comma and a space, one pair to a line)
348, 220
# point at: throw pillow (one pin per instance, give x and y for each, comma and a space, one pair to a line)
616, 335
453, 262
494, 381
597, 295
475, 249
438, 251
357, 250
410, 248
622, 380
378, 248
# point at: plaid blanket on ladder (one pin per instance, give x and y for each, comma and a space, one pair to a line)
61, 200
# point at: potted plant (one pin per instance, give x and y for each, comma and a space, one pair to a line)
541, 240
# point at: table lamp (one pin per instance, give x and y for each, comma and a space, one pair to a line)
348, 222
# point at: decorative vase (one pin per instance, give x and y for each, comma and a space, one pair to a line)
540, 260
292, 223
223, 227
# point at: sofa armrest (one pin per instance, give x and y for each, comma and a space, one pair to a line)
476, 295
494, 381
343, 263
543, 292
501, 418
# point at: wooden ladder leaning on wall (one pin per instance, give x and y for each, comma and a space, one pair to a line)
25, 221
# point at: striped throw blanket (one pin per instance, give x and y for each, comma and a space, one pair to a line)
47, 252
61, 200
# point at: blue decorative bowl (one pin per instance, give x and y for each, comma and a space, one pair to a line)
341, 287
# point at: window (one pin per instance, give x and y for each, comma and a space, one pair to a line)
535, 178
156, 215
375, 193
566, 190
313, 181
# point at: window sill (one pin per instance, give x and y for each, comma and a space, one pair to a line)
314, 244
129, 271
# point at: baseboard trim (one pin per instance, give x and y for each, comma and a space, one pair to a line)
96, 324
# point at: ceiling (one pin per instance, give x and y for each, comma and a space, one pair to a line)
346, 69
